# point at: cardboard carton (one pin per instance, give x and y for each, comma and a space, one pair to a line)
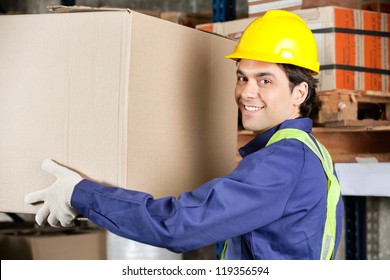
128, 99
353, 47
232, 29
259, 7
33, 244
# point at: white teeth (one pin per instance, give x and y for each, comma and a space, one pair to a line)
251, 108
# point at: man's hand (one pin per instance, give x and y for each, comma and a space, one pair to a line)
56, 207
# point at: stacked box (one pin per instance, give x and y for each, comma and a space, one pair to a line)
353, 47
259, 7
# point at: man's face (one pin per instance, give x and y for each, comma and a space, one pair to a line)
263, 95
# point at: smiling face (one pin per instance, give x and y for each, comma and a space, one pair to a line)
264, 96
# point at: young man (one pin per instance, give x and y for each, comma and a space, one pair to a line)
281, 202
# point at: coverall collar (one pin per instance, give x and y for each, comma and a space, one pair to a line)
262, 139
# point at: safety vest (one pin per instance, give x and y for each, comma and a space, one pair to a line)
333, 194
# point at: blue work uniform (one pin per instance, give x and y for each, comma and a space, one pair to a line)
272, 206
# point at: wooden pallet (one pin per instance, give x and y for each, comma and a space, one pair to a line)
352, 108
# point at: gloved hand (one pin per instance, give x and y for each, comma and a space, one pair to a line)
56, 198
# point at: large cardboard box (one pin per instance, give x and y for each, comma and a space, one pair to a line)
128, 99
232, 29
46, 244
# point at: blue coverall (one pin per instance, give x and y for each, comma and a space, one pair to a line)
272, 206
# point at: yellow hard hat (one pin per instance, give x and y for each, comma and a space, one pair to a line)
278, 37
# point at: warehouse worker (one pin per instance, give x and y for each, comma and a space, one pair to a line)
281, 202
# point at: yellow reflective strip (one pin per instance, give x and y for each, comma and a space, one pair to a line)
309, 142
327, 157
224, 250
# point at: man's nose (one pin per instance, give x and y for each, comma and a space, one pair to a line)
249, 90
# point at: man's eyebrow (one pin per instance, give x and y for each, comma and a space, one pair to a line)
260, 74
239, 72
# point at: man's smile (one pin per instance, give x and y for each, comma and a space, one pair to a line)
252, 108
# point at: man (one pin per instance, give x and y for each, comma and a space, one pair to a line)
281, 202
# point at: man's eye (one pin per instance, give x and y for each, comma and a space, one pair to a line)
241, 79
264, 82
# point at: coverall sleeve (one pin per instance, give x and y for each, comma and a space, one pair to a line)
253, 195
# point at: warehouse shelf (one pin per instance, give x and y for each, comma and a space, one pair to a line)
345, 143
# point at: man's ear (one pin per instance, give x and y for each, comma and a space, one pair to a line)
300, 93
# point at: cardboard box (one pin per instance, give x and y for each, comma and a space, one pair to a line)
259, 7
183, 18
187, 19
36, 244
353, 47
232, 29
128, 99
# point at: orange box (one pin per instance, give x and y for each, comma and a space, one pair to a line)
372, 50
353, 47
386, 50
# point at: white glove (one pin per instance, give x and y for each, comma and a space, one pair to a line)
56, 198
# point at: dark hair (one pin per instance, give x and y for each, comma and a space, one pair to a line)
297, 75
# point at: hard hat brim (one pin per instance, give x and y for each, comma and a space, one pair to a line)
237, 55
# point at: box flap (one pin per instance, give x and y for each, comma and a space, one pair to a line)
78, 9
